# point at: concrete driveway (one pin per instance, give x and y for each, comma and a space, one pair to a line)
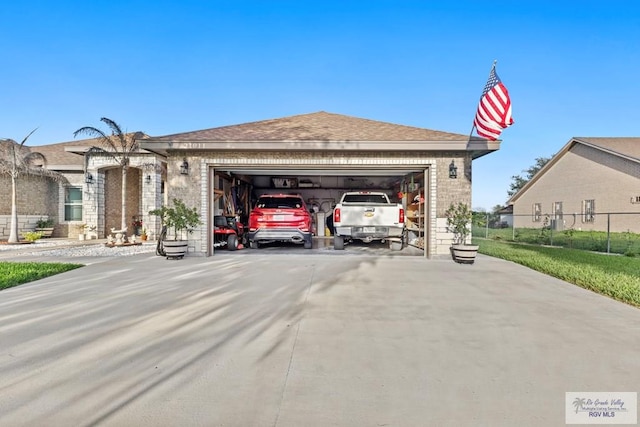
307, 340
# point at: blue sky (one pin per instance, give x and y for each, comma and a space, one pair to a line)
165, 67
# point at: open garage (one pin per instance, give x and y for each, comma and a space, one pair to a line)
320, 156
235, 191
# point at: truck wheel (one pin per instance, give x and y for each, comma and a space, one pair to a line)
338, 243
395, 245
253, 244
232, 242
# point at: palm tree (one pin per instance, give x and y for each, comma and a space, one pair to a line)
18, 160
118, 146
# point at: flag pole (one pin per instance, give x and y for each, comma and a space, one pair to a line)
473, 126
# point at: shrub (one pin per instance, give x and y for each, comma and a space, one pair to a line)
32, 236
44, 223
458, 219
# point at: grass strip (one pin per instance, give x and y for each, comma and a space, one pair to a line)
17, 273
615, 276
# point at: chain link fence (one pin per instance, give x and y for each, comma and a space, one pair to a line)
611, 232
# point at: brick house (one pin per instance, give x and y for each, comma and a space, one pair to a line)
93, 198
318, 155
587, 179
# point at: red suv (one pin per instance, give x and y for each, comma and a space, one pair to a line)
280, 218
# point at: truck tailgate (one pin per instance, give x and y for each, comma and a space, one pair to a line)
369, 215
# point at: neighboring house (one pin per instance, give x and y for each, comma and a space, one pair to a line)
505, 216
585, 181
222, 170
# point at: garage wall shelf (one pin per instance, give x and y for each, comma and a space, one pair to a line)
415, 218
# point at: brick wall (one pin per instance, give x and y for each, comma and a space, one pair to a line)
36, 197
113, 197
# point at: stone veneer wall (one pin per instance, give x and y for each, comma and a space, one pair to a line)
102, 202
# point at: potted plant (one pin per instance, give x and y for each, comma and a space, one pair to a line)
459, 218
44, 226
137, 225
143, 234
81, 231
181, 221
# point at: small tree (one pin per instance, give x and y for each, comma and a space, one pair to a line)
18, 160
519, 181
119, 146
179, 218
459, 216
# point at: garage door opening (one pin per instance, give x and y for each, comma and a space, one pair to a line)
233, 193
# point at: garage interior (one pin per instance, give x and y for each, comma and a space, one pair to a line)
235, 191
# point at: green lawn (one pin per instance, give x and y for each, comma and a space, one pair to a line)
17, 273
612, 275
620, 243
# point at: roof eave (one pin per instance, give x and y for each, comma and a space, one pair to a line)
478, 148
82, 150
69, 168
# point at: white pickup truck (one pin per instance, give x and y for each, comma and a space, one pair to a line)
368, 216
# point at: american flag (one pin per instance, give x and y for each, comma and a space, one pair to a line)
494, 109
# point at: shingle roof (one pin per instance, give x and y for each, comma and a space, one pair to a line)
57, 155
320, 126
626, 146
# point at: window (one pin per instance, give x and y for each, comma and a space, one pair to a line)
557, 210
269, 202
588, 210
364, 198
537, 212
73, 204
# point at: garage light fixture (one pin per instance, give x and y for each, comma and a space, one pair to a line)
184, 167
453, 170
88, 178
